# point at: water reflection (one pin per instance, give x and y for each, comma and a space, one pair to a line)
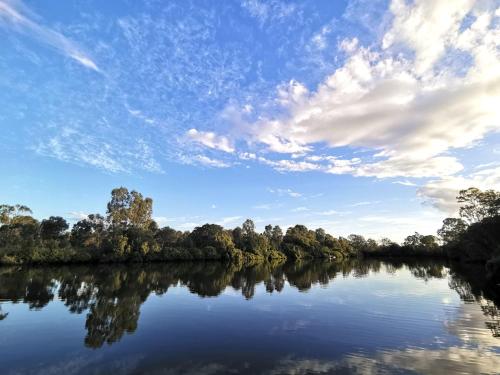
111, 298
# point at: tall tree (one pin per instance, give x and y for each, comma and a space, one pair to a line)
248, 228
129, 209
451, 230
53, 227
10, 213
477, 205
89, 231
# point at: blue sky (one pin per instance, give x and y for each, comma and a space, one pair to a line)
356, 116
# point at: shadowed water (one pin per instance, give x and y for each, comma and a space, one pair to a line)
358, 317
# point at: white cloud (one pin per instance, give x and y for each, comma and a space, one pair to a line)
228, 220
270, 10
211, 140
332, 212
299, 209
13, 18
442, 193
398, 99
319, 39
364, 203
263, 206
209, 162
404, 183
428, 27
285, 165
77, 215
247, 156
288, 192
146, 158
162, 220
72, 146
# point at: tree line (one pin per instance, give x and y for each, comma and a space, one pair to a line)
129, 233
473, 237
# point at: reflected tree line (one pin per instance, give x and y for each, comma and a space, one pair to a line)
128, 233
111, 296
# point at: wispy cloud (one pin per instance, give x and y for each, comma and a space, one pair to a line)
404, 183
72, 146
332, 212
209, 162
299, 209
270, 10
228, 220
77, 215
364, 203
285, 192
12, 18
263, 206
210, 139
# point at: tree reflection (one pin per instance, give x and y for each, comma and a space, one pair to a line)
472, 286
2, 314
112, 295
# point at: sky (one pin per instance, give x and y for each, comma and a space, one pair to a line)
357, 116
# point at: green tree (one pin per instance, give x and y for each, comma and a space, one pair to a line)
168, 237
9, 214
418, 241
129, 209
212, 235
357, 242
53, 228
251, 241
276, 237
89, 231
477, 205
451, 230
248, 228
268, 231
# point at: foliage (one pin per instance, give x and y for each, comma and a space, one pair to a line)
53, 228
452, 230
129, 234
9, 214
477, 205
129, 209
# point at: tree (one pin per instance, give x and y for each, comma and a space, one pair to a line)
11, 213
386, 242
168, 237
320, 235
237, 235
357, 242
252, 241
420, 242
451, 230
477, 205
268, 231
276, 237
300, 241
89, 231
53, 228
212, 235
129, 209
140, 211
248, 228
413, 240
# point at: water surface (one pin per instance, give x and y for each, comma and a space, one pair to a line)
359, 317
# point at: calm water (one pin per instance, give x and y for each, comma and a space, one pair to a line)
361, 317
